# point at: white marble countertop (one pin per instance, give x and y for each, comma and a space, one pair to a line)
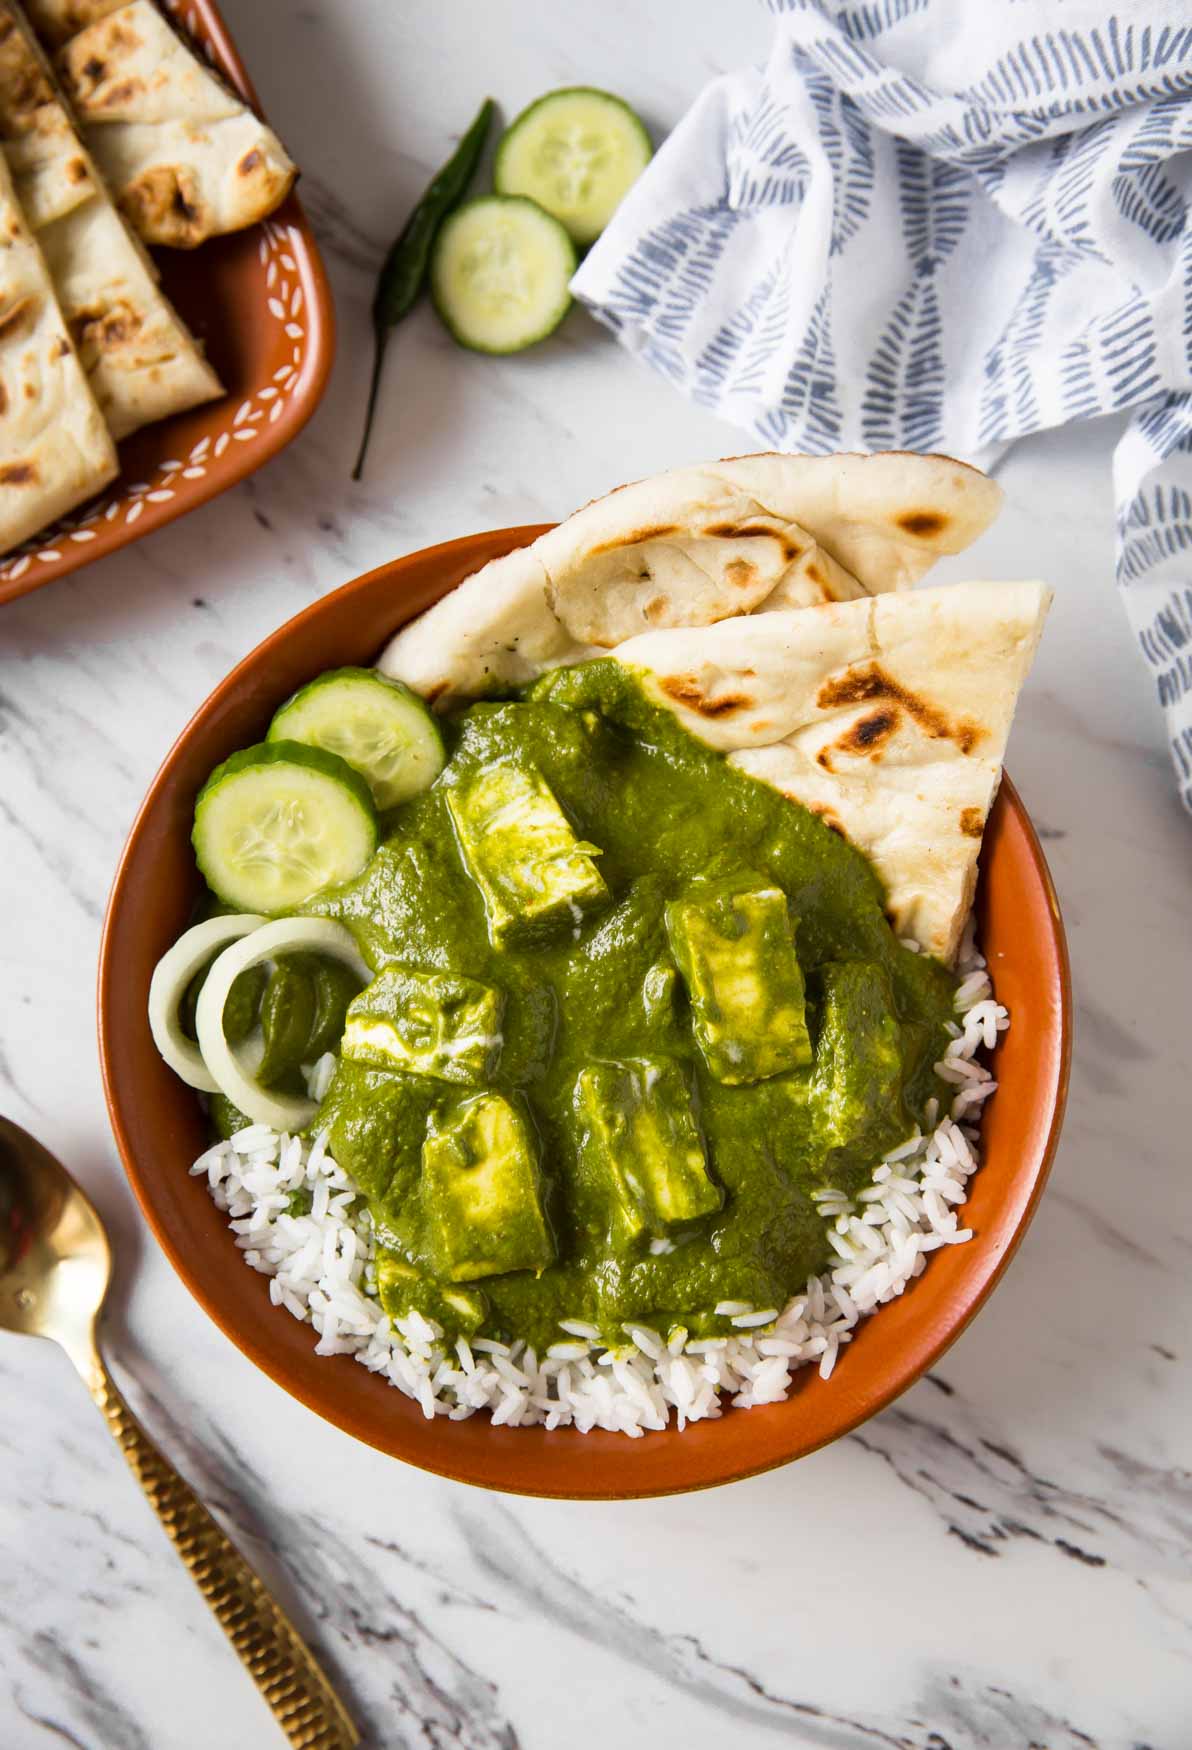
1003, 1558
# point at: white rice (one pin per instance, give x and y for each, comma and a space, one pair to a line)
321, 1269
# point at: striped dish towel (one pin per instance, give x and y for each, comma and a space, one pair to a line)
929, 226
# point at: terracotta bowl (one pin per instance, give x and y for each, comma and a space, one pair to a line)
260, 303
160, 1130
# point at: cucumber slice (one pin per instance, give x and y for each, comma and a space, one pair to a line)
576, 152
277, 822
500, 273
379, 726
171, 976
235, 1078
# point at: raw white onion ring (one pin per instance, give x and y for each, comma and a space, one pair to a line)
167, 987
268, 942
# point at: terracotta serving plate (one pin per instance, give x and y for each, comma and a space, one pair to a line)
160, 1130
260, 303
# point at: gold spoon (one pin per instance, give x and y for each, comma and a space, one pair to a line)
55, 1265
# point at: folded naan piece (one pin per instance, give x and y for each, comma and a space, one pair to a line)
184, 156
693, 547
50, 174
888, 717
55, 450
141, 361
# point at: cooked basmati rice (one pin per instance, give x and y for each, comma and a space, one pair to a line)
320, 1264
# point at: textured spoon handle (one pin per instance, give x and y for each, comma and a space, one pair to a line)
281, 1665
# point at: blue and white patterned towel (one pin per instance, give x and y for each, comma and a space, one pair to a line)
937, 226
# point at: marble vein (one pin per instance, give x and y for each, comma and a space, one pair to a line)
972, 1711
989, 1498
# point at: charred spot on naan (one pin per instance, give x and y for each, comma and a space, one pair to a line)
972, 823
18, 474
925, 525
16, 317
111, 40
823, 813
791, 548
686, 689
100, 331
637, 538
865, 738
872, 685
166, 202
118, 96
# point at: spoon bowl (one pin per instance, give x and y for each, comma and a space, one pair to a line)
55, 1261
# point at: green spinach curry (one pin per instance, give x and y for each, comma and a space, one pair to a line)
632, 1007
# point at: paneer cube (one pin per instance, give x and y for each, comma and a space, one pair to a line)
481, 1193
403, 1289
426, 1024
736, 950
856, 1087
534, 874
641, 1149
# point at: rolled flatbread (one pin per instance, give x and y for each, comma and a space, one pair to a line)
141, 361
50, 175
185, 158
55, 450
887, 717
689, 548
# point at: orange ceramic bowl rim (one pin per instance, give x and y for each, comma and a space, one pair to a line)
159, 1130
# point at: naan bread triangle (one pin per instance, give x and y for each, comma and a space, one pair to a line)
54, 448
690, 548
185, 158
49, 172
888, 717
141, 361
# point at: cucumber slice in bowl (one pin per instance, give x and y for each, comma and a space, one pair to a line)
500, 274
382, 729
277, 822
576, 152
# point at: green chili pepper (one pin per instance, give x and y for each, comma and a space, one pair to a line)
287, 1015
240, 1010
404, 272
334, 988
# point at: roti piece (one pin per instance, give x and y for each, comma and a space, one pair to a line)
690, 548
185, 158
141, 361
888, 717
49, 174
55, 450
